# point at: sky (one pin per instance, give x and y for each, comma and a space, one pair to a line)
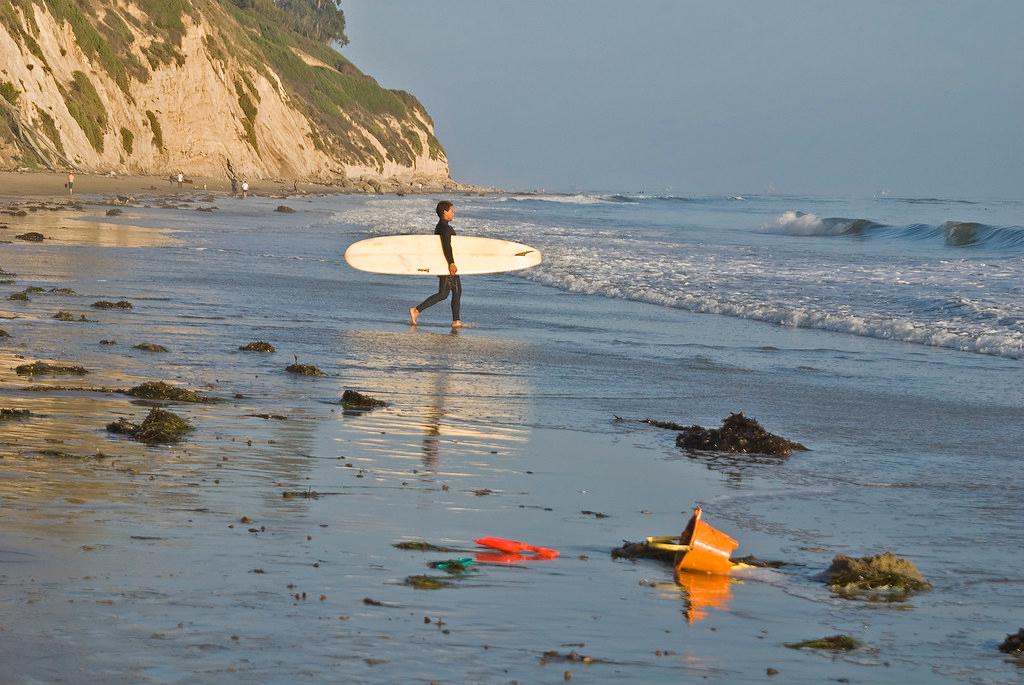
919, 98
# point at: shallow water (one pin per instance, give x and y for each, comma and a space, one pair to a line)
134, 566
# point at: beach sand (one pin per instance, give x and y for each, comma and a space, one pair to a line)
261, 547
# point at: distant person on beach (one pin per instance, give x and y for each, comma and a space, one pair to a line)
234, 186
245, 189
70, 185
181, 179
446, 284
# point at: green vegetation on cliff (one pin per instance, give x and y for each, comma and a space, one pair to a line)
288, 42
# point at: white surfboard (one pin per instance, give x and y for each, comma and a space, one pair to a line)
421, 255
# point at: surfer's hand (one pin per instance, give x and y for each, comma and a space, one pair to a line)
452, 269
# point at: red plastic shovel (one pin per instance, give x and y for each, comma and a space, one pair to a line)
516, 547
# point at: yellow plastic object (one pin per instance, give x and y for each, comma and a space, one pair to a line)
706, 550
667, 543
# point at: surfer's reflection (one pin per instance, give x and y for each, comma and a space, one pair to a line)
432, 423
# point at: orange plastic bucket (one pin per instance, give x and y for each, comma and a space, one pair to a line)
709, 551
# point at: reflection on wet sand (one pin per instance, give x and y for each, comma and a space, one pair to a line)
700, 593
452, 395
71, 228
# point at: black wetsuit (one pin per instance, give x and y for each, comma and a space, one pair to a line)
445, 284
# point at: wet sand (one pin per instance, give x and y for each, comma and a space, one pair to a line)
126, 563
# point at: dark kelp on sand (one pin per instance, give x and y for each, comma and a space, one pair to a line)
106, 304
159, 390
150, 347
422, 546
885, 577
351, 399
257, 346
49, 368
835, 643
1014, 644
304, 369
737, 434
8, 414
159, 427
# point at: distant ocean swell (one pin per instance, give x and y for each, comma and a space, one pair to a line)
951, 233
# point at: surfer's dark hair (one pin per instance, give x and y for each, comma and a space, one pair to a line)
442, 207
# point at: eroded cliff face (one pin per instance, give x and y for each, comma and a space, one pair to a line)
202, 86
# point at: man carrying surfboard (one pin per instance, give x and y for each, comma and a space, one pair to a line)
446, 284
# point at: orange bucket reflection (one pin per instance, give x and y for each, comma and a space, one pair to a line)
703, 591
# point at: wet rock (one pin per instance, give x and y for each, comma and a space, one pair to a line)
159, 390
835, 643
595, 514
8, 414
108, 342
257, 346
105, 304
4, 334
737, 434
114, 212
351, 399
304, 370
426, 582
47, 368
159, 427
150, 347
421, 546
882, 576
284, 209
1014, 643
32, 237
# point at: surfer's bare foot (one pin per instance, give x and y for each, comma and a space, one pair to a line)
414, 315
456, 324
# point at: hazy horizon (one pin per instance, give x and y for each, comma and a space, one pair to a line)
913, 99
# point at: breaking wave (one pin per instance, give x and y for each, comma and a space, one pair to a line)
952, 233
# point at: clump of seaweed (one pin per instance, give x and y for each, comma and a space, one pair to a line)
4, 334
114, 212
150, 347
553, 655
835, 643
62, 291
49, 368
159, 427
351, 399
9, 414
64, 316
257, 346
421, 546
19, 297
284, 209
1014, 643
737, 434
105, 304
422, 582
303, 369
882, 576
158, 390
32, 237
304, 494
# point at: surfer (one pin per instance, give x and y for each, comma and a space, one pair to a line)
446, 284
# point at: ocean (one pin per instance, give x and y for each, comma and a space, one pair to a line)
885, 334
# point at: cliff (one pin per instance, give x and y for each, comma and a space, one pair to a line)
210, 87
